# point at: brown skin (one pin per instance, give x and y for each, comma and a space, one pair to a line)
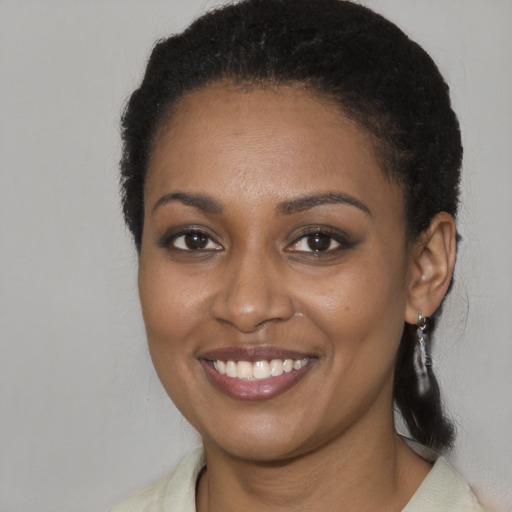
327, 443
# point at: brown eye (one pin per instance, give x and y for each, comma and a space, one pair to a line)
319, 242
193, 241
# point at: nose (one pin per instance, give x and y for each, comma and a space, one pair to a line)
252, 295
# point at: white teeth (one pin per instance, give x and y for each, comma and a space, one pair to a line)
288, 365
299, 363
221, 367
231, 369
259, 369
276, 367
244, 370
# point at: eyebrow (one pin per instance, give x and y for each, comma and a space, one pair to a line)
199, 201
299, 204
307, 202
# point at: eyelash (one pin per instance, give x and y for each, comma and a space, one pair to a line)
329, 234
169, 241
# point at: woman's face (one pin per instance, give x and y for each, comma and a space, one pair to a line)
272, 239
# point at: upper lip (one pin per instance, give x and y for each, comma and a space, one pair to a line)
251, 353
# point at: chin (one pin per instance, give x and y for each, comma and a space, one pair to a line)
262, 439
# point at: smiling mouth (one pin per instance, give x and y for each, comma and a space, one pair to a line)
255, 373
258, 370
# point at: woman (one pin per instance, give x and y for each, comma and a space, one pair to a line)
290, 176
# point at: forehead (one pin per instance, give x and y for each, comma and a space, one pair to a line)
263, 142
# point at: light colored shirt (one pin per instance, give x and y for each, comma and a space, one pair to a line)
443, 490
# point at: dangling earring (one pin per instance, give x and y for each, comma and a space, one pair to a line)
422, 359
422, 325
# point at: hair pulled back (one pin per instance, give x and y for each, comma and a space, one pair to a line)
369, 69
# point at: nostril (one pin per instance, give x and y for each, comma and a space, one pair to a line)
248, 304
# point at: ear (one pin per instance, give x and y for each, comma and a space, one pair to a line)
431, 267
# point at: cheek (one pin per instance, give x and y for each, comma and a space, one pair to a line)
363, 304
171, 309
170, 301
360, 316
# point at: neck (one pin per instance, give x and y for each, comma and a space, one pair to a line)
356, 471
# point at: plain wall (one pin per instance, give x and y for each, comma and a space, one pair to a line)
84, 421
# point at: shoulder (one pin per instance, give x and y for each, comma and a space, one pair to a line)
443, 490
174, 491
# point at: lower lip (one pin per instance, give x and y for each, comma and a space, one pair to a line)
264, 389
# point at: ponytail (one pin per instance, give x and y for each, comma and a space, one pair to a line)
418, 397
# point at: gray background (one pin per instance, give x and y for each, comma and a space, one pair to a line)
84, 420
